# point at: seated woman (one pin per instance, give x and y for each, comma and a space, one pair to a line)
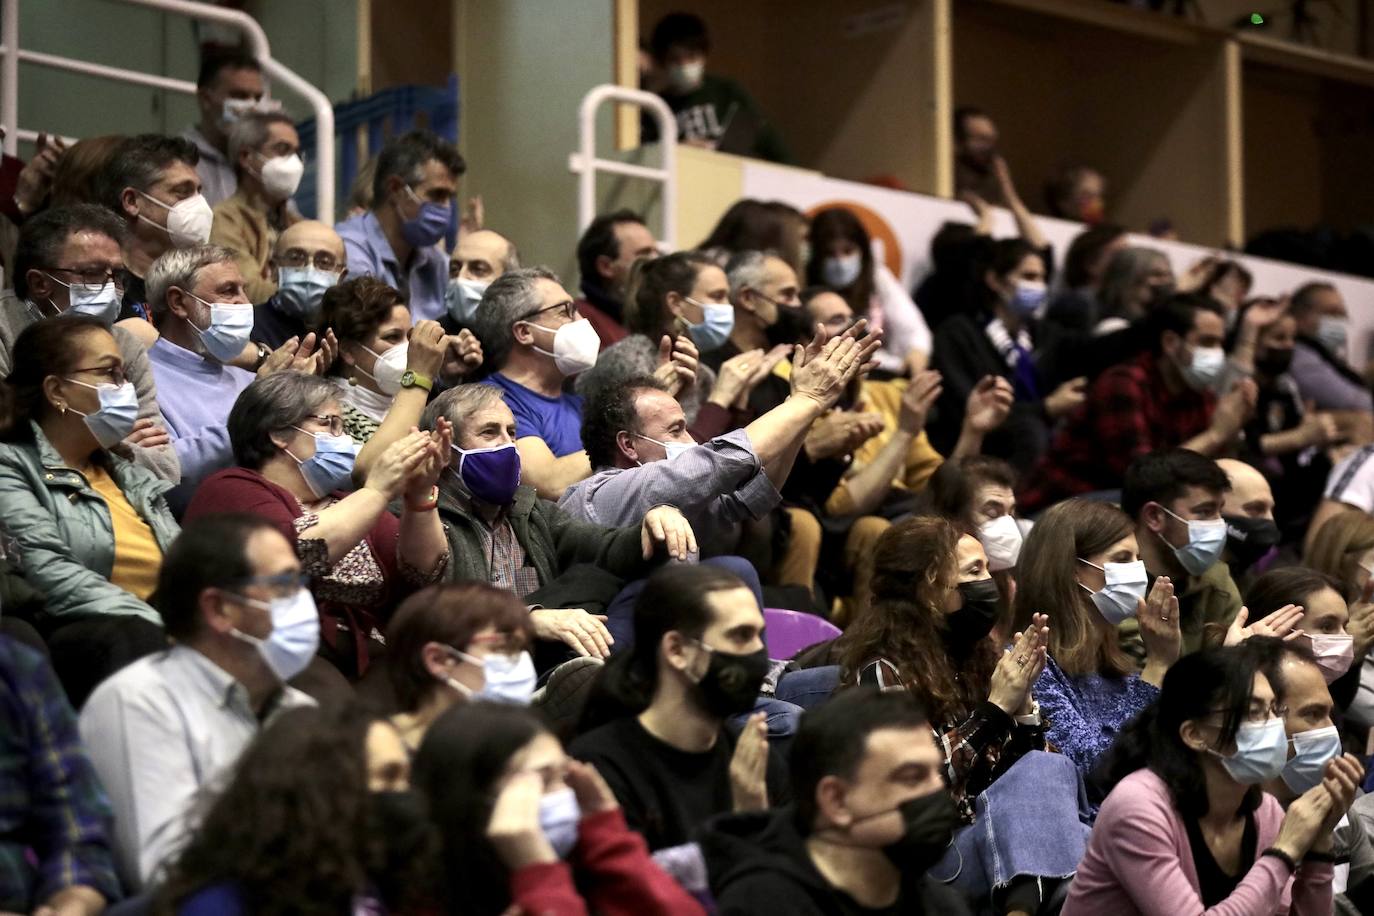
372, 325
289, 836
684, 298
91, 526
1320, 601
1081, 559
925, 630
294, 466
521, 822
450, 643
1187, 827
1343, 548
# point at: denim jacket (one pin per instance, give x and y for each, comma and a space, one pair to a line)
64, 530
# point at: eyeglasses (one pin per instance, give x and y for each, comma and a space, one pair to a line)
1258, 712
569, 311
113, 374
285, 585
332, 420
299, 257
96, 276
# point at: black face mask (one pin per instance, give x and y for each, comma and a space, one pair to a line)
731, 682
929, 822
1250, 538
1274, 362
400, 821
790, 327
974, 620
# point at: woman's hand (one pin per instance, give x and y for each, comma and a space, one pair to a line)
749, 766
147, 434
593, 795
920, 395
677, 363
514, 828
1304, 821
732, 381
426, 474
425, 355
666, 525
1019, 667
395, 466
584, 633
1159, 627
1281, 624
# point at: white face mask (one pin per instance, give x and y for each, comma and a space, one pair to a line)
686, 77
1124, 587
295, 634
841, 272
99, 302
1332, 331
388, 368
281, 175
505, 678
575, 346
1001, 540
671, 449
188, 221
1203, 372
234, 109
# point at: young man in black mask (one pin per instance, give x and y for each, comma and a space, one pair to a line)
698, 659
872, 814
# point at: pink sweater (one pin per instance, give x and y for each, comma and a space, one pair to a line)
1139, 861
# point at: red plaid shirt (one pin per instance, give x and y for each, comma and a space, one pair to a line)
1129, 411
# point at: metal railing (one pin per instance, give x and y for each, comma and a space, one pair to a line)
12, 53
586, 164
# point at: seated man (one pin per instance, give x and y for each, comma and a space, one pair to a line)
54, 818
198, 303
1248, 509
501, 533
1321, 365
1160, 399
607, 250
478, 258
69, 261
231, 595
307, 260
151, 184
1175, 497
532, 340
655, 724
871, 814
266, 153
1314, 744
414, 188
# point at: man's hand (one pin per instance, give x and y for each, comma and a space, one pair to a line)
1234, 408
665, 525
1319, 429
35, 179
428, 347
920, 395
840, 433
822, 369
462, 354
147, 434
749, 766
1066, 398
585, 633
988, 404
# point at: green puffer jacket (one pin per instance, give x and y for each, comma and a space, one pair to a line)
553, 540
63, 527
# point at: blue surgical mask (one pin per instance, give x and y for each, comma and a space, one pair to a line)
490, 474
427, 226
673, 449
300, 291
117, 414
1206, 541
1312, 751
718, 320
1125, 585
462, 298
1261, 751
100, 302
231, 324
331, 467
1028, 296
840, 272
506, 678
295, 633
559, 816
1333, 331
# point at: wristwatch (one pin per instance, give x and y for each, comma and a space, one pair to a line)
1033, 718
412, 379
264, 351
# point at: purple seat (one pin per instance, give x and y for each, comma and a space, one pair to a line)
789, 632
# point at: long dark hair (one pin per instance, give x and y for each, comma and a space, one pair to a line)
650, 282
1288, 585
293, 831
757, 225
1001, 258
832, 224
674, 598
42, 349
459, 765
1198, 685
914, 567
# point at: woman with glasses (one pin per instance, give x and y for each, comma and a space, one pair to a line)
1187, 828
295, 466
521, 822
92, 527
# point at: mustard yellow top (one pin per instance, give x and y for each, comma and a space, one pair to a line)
137, 558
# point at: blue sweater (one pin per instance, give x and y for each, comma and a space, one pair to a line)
196, 395
1085, 712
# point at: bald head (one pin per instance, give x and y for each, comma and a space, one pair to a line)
300, 244
1250, 495
483, 256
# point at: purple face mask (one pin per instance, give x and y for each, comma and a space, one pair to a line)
490, 474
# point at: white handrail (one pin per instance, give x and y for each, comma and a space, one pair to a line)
586, 164
11, 54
